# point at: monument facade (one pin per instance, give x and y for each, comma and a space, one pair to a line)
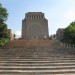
35, 26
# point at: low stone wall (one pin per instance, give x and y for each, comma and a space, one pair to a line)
22, 43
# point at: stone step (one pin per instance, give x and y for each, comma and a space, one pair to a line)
37, 67
67, 57
60, 71
23, 57
35, 74
37, 64
54, 67
38, 71
37, 61
30, 57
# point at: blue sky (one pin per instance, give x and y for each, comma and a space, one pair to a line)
60, 13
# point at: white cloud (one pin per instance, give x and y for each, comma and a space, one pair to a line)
18, 34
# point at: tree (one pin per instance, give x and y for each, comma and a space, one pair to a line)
69, 34
4, 35
3, 14
14, 35
3, 25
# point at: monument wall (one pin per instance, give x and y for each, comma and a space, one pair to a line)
35, 26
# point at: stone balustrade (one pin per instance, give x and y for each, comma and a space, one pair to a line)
69, 46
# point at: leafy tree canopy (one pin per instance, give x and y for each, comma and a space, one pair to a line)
69, 33
3, 14
4, 35
3, 25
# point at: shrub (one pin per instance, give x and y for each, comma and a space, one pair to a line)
3, 41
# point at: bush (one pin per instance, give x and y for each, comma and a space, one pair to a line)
3, 41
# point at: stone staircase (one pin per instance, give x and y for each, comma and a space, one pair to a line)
16, 66
37, 60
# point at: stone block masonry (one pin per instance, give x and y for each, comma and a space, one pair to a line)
35, 26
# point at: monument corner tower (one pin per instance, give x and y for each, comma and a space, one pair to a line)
35, 26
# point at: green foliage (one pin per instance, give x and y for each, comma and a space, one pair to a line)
3, 41
69, 34
3, 14
3, 30
4, 35
14, 35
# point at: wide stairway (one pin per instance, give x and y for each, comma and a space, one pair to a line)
37, 60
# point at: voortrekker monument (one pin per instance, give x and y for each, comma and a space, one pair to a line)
35, 26
32, 56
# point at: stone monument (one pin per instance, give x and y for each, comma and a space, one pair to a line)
35, 26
